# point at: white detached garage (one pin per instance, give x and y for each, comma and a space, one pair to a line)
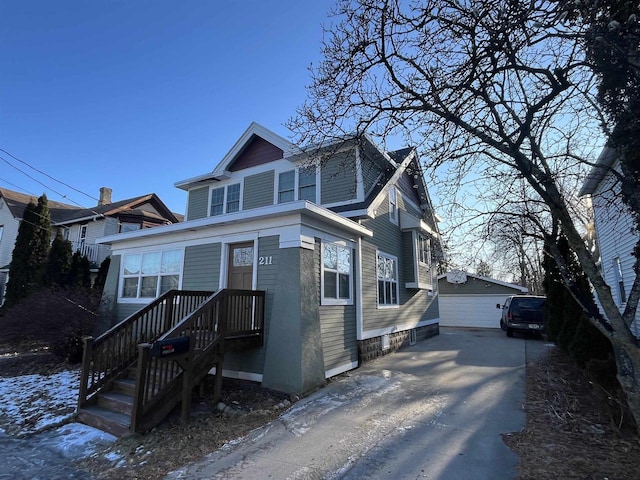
468, 300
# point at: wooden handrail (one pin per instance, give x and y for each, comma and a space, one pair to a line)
117, 348
227, 313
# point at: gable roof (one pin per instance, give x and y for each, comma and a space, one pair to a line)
17, 202
490, 280
129, 206
246, 140
62, 213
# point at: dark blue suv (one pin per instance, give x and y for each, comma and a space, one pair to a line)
524, 313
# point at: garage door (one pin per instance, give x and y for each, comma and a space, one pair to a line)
470, 310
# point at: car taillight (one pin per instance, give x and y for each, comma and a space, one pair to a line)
509, 316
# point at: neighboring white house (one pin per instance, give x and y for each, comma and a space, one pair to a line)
468, 300
79, 225
614, 230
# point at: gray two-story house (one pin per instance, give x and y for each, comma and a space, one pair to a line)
342, 242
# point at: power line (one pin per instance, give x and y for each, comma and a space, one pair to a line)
48, 176
36, 180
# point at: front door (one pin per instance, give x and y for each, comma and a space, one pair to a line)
240, 266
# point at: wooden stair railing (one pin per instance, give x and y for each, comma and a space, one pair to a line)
162, 383
114, 351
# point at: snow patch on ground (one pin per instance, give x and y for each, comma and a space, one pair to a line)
31, 403
36, 411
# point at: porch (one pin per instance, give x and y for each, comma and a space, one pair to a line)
134, 374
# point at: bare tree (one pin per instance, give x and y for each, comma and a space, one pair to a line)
482, 85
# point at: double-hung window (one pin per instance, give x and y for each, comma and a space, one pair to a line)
297, 185
336, 274
393, 205
424, 250
225, 199
307, 184
217, 201
233, 198
387, 273
286, 186
149, 275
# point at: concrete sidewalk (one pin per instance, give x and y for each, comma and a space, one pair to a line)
434, 410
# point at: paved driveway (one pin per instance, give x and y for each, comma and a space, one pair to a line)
434, 410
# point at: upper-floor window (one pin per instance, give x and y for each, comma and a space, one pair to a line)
297, 185
82, 234
1, 231
307, 184
393, 205
336, 274
129, 227
233, 198
225, 199
217, 201
424, 250
387, 273
149, 275
286, 186
617, 270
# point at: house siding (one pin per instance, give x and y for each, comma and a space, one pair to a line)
338, 179
616, 239
198, 203
258, 152
405, 185
337, 326
9, 233
201, 269
370, 174
408, 261
258, 190
414, 305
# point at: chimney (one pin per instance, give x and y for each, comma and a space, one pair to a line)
105, 196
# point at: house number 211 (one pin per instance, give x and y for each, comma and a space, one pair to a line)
265, 260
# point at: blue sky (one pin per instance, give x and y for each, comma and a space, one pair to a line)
137, 94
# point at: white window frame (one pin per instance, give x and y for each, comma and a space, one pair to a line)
394, 282
393, 205
424, 250
340, 246
296, 184
139, 275
226, 196
617, 272
292, 189
225, 199
82, 234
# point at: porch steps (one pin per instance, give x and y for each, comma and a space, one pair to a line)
110, 410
